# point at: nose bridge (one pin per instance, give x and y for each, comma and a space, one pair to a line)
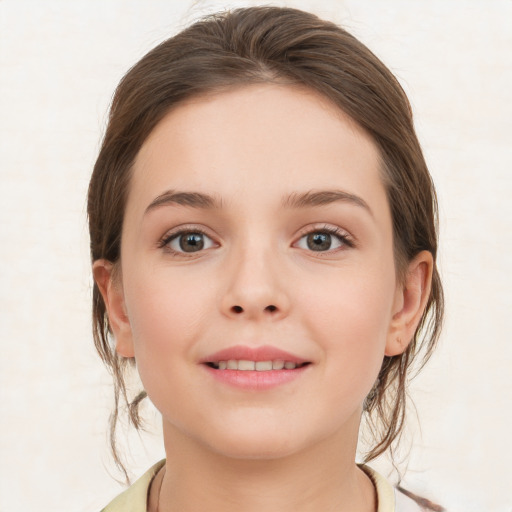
254, 286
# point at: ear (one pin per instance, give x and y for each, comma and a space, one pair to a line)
410, 301
111, 290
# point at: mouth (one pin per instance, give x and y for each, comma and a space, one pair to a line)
259, 366
255, 368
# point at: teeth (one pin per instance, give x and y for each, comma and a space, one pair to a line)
277, 365
246, 365
260, 366
263, 366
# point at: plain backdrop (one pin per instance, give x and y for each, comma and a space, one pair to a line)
60, 61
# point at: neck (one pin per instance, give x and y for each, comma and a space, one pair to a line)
322, 477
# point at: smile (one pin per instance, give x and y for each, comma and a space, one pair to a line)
255, 369
259, 366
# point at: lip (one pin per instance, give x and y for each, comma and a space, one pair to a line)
261, 353
250, 380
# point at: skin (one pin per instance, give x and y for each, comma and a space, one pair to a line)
257, 282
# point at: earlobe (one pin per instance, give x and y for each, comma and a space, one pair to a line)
410, 301
111, 290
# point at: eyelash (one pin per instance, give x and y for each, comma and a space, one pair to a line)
343, 237
183, 230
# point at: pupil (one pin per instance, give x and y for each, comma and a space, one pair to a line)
192, 242
319, 241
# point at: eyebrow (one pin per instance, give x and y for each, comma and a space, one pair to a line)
324, 197
295, 200
192, 199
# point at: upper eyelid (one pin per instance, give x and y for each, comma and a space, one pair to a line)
171, 234
344, 235
312, 228
329, 228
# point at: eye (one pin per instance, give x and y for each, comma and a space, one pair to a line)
323, 240
189, 241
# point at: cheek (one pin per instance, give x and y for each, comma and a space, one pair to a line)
350, 317
159, 299
166, 314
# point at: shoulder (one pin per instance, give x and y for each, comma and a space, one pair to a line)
391, 499
134, 499
405, 504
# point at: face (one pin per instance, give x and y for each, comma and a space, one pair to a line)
257, 235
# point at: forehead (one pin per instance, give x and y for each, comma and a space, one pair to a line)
263, 138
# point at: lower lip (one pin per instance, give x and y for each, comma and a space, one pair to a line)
256, 381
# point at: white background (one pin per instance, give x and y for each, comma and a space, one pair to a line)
59, 64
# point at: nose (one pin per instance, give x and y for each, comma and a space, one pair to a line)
256, 287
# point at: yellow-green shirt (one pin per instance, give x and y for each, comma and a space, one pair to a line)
134, 499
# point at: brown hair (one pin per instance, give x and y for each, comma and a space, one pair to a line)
284, 45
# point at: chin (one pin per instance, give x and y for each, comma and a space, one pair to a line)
259, 433
267, 441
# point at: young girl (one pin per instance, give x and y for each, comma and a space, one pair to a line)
263, 238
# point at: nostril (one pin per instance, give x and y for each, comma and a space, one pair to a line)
270, 308
237, 309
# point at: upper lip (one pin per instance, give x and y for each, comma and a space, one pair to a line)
261, 353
